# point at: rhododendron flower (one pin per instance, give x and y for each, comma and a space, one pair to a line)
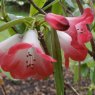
73, 43
74, 38
76, 52
27, 59
58, 22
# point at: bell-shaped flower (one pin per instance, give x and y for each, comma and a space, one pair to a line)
57, 22
27, 59
75, 51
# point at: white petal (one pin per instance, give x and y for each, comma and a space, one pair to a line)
65, 40
6, 44
31, 37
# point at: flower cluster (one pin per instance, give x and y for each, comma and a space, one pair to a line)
23, 57
72, 40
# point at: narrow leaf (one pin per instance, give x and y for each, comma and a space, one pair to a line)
58, 72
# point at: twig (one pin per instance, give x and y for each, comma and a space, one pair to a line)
41, 38
3, 90
90, 53
71, 87
36, 7
92, 6
92, 40
80, 6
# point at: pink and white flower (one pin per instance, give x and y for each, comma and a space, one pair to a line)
73, 39
27, 59
77, 52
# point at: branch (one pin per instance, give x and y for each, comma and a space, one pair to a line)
80, 6
41, 38
36, 7
71, 87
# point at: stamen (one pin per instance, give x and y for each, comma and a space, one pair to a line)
27, 61
34, 59
81, 29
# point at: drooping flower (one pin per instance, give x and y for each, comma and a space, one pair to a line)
76, 52
78, 35
74, 38
57, 22
27, 59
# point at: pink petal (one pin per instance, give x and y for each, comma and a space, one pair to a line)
84, 35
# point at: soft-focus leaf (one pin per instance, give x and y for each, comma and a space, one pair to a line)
14, 22
84, 70
7, 74
70, 3
92, 75
89, 92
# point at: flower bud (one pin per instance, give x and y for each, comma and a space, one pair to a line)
57, 22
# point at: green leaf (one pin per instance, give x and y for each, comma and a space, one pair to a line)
7, 74
39, 3
14, 22
20, 28
84, 70
58, 72
57, 8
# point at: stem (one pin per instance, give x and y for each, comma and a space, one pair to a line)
92, 40
36, 7
92, 7
3, 9
50, 4
80, 6
79, 79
